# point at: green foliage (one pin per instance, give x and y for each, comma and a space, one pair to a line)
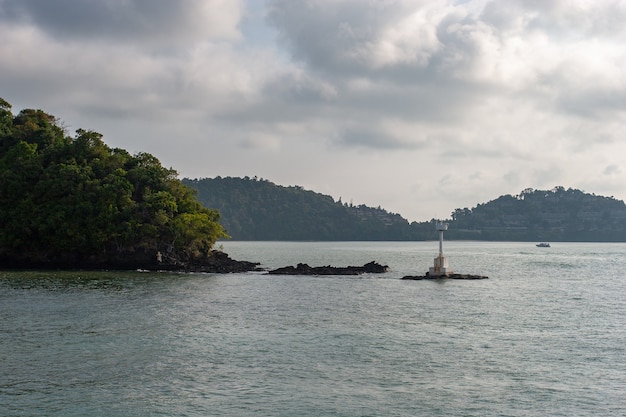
74, 198
255, 209
558, 214
6, 118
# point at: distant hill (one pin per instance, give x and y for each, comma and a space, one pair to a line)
558, 214
257, 209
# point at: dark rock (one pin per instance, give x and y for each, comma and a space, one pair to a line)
218, 262
304, 269
214, 262
449, 276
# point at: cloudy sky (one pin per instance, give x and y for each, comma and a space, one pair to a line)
419, 106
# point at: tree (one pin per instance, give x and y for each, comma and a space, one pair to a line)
71, 199
6, 119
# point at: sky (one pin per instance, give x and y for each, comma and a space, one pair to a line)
417, 106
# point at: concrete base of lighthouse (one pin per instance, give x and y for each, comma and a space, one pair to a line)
440, 270
440, 267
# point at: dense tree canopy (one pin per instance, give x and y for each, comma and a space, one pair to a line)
74, 199
255, 209
558, 214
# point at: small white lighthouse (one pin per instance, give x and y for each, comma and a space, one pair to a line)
440, 267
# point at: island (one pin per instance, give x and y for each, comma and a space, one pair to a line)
72, 202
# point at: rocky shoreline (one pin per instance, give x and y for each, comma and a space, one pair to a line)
304, 269
449, 276
216, 262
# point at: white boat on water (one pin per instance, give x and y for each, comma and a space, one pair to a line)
543, 245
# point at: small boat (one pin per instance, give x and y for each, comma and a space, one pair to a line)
543, 245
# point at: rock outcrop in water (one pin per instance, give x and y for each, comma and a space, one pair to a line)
219, 262
449, 276
304, 269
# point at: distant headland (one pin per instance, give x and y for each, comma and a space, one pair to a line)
257, 209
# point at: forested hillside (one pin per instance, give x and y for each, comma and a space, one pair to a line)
253, 209
558, 214
74, 202
257, 209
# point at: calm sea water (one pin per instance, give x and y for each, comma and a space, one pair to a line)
544, 335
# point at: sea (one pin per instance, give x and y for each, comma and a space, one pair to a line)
544, 335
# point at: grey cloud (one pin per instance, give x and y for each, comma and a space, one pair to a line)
386, 115
339, 39
286, 97
313, 36
561, 19
147, 20
377, 138
408, 42
335, 37
612, 169
593, 103
292, 87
